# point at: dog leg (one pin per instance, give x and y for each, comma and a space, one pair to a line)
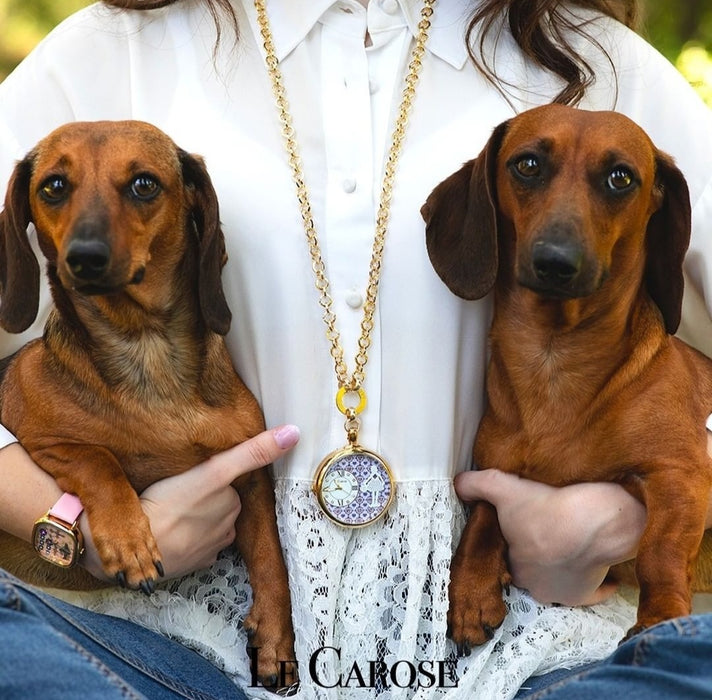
669, 547
478, 574
269, 622
119, 528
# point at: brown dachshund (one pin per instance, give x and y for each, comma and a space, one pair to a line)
132, 381
580, 224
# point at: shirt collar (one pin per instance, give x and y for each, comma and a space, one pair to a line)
292, 20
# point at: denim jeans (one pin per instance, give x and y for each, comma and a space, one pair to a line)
50, 649
671, 661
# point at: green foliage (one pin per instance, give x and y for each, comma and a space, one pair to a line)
671, 24
682, 31
25, 22
695, 63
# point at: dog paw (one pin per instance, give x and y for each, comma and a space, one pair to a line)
476, 611
271, 641
647, 619
130, 555
642, 625
635, 629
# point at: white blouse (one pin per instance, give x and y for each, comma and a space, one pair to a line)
378, 593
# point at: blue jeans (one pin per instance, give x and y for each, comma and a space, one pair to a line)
49, 649
671, 661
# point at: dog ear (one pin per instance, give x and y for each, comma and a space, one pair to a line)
212, 256
19, 269
461, 224
668, 237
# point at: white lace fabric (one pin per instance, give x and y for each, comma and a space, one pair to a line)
374, 598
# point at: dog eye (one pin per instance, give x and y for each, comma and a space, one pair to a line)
620, 179
528, 166
144, 187
54, 189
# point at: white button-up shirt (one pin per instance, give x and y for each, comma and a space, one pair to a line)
426, 363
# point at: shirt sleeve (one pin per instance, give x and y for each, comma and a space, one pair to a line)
6, 437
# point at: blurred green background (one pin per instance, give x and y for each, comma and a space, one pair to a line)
680, 29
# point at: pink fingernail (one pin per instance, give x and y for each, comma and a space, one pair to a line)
286, 436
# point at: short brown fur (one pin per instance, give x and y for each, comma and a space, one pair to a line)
132, 381
585, 382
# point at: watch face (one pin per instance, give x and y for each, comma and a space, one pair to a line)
354, 486
55, 543
340, 487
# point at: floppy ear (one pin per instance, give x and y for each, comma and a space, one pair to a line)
212, 256
668, 236
19, 269
461, 224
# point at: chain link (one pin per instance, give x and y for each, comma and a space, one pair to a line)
356, 380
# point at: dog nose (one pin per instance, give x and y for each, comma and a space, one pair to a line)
88, 259
556, 262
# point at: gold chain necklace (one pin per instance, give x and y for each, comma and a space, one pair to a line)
354, 486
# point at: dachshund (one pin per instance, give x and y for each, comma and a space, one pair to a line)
580, 225
131, 381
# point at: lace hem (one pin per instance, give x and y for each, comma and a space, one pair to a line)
370, 608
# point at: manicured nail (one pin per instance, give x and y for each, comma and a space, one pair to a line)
286, 436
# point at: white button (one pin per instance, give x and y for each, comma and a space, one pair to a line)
354, 299
373, 87
390, 6
349, 185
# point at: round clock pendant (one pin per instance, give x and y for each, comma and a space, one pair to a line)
354, 486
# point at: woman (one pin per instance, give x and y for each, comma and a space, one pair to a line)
369, 604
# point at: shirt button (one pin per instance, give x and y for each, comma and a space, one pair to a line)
354, 299
373, 87
349, 185
390, 6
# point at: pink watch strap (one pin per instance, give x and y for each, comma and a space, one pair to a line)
68, 508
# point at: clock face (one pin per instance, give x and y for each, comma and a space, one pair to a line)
55, 544
354, 486
340, 487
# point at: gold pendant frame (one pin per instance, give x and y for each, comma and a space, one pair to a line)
354, 486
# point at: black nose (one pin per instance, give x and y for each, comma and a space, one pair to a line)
557, 262
88, 259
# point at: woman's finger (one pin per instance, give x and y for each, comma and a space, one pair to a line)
489, 485
259, 451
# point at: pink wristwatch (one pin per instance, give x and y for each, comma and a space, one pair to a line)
56, 536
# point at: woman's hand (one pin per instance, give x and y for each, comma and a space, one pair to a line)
193, 514
562, 541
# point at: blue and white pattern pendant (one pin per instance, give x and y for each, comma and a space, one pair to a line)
354, 486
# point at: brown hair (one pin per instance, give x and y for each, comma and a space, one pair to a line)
538, 26
215, 7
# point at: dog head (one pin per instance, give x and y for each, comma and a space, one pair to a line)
559, 201
106, 199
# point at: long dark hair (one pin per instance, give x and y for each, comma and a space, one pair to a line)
539, 27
